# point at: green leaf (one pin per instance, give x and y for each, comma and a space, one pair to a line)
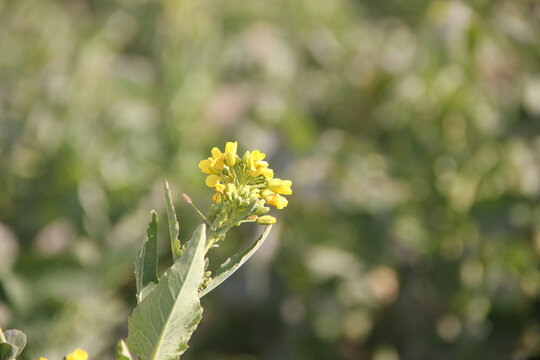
163, 322
147, 258
8, 351
146, 290
123, 351
174, 228
17, 338
233, 263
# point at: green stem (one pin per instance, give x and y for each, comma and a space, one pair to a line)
210, 240
199, 212
2, 337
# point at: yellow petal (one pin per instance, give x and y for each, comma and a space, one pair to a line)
230, 158
217, 163
256, 155
212, 180
231, 147
268, 173
280, 186
280, 202
204, 165
276, 200
216, 153
77, 355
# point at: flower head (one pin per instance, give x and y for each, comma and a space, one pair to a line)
243, 187
257, 166
274, 199
214, 164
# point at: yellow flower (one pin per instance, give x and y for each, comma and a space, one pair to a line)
267, 173
280, 186
220, 188
205, 166
230, 153
266, 220
274, 199
214, 164
77, 355
257, 166
42, 358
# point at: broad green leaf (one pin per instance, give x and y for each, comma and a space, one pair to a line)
123, 351
17, 338
8, 351
233, 263
174, 228
146, 290
163, 322
147, 258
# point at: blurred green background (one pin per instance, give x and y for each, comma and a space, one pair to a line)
410, 130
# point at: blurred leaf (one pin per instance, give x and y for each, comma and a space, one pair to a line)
162, 324
17, 338
234, 262
147, 259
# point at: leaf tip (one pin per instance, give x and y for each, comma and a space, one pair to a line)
154, 215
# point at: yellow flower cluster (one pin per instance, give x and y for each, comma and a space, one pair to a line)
241, 180
78, 354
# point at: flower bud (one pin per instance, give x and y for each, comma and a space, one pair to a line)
279, 186
237, 200
187, 198
230, 152
230, 158
230, 188
245, 203
266, 220
262, 210
245, 158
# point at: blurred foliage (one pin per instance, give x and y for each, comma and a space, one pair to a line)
410, 130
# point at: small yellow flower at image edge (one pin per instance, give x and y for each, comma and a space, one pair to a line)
78, 354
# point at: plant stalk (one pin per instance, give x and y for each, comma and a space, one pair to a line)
210, 240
